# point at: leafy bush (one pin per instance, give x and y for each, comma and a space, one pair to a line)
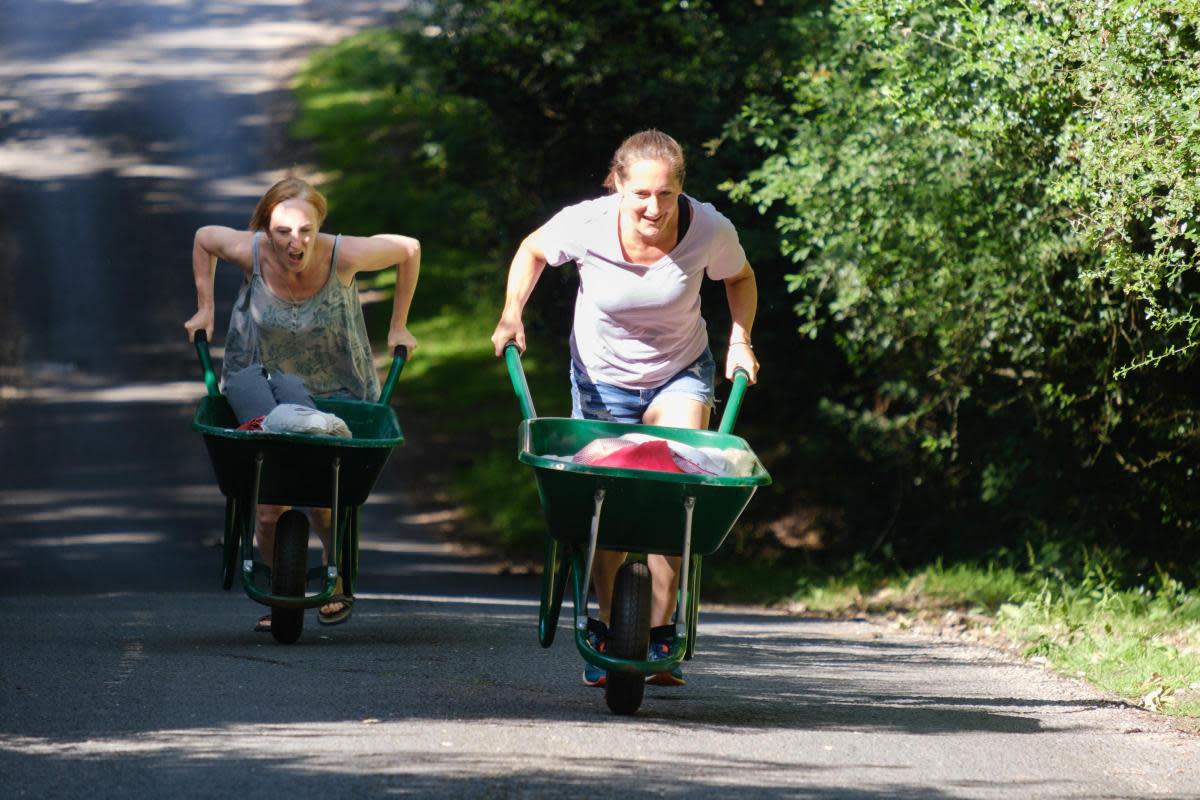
937, 180
469, 123
1136, 70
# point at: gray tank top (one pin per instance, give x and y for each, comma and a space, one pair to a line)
322, 339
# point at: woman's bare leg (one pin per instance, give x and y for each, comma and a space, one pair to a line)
267, 516
321, 518
604, 574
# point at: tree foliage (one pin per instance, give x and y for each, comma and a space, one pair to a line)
952, 181
502, 112
1136, 70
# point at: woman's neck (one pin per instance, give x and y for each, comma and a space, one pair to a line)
639, 249
296, 285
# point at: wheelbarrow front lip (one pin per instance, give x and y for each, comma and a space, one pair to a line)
296, 438
203, 413
759, 477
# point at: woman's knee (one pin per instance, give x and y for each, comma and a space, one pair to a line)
268, 515
677, 411
320, 518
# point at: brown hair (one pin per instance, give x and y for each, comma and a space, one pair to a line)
287, 189
648, 145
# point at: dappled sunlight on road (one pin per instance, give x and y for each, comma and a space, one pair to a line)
233, 49
166, 392
427, 694
92, 540
407, 547
442, 753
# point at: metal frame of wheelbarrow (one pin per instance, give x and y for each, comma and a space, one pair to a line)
639, 511
255, 467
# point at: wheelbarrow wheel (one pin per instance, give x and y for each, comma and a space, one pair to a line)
628, 636
289, 573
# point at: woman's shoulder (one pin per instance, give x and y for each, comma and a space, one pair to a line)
710, 223
707, 212
588, 210
228, 244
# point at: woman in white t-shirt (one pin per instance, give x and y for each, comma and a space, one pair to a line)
639, 346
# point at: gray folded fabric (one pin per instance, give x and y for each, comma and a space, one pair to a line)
289, 388
252, 393
292, 418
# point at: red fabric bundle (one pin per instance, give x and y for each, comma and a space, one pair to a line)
655, 455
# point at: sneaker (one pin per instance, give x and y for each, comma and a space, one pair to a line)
661, 639
597, 636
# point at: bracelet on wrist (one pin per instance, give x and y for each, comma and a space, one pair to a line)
747, 344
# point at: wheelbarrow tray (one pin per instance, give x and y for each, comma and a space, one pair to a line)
296, 466
643, 510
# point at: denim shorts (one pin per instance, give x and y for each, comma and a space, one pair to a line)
594, 400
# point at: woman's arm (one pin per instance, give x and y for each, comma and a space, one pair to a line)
375, 253
741, 291
527, 266
213, 242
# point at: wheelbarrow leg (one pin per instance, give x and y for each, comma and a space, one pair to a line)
230, 542
249, 513
693, 607
684, 607
350, 551
554, 582
581, 612
331, 570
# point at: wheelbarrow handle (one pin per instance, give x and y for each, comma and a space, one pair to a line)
741, 379
516, 373
399, 357
210, 377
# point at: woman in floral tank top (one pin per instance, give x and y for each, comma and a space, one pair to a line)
298, 312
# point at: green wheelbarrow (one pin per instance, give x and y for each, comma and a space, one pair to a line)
589, 507
295, 469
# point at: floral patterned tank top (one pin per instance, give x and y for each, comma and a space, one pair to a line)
322, 339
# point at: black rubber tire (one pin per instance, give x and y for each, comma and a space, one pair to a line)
628, 636
289, 573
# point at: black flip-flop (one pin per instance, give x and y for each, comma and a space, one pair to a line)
339, 616
263, 625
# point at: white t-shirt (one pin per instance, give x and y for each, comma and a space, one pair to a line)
637, 326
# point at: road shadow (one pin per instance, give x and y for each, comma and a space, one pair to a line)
450, 666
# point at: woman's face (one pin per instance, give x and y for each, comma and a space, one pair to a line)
293, 233
649, 199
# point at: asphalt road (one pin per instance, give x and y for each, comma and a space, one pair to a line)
126, 671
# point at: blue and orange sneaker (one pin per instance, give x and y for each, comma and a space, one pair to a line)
661, 639
597, 636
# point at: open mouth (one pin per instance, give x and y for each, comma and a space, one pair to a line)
295, 258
